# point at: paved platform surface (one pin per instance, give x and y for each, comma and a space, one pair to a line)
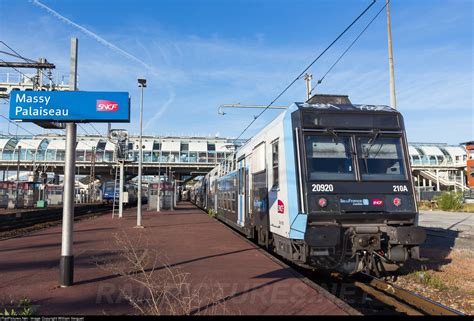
449, 229
234, 277
454, 221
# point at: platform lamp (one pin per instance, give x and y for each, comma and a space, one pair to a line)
142, 85
17, 175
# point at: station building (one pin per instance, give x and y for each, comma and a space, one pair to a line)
47, 152
436, 167
470, 163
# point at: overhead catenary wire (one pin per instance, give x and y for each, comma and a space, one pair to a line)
306, 69
18, 126
87, 133
17, 55
18, 70
15, 123
350, 46
10, 54
98, 132
15, 52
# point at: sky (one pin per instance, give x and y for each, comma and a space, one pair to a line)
199, 54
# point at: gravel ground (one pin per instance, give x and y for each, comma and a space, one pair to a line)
446, 272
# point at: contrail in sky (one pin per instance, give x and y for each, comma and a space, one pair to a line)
162, 110
92, 34
116, 49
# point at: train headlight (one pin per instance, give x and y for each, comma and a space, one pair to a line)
322, 202
397, 202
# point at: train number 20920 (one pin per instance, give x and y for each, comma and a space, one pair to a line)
322, 187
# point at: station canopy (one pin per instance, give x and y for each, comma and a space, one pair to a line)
171, 146
221, 147
413, 151
86, 144
31, 144
431, 151
455, 150
57, 144
198, 146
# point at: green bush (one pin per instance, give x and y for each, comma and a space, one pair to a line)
212, 213
23, 308
450, 201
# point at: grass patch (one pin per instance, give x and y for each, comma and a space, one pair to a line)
212, 213
428, 279
22, 308
468, 208
448, 201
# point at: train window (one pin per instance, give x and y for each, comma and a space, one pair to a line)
275, 163
329, 157
380, 158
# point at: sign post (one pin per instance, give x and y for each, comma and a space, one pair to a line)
69, 107
66, 265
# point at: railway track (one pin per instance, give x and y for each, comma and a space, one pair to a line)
29, 221
375, 296
401, 300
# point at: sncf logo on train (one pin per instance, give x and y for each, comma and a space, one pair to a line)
106, 106
377, 202
281, 207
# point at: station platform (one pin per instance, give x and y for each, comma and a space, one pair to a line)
448, 229
229, 274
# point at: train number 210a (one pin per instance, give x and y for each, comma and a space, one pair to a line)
322, 187
400, 188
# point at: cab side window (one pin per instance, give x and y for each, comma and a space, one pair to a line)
275, 164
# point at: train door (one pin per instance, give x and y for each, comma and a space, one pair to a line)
260, 195
249, 221
241, 193
247, 208
205, 191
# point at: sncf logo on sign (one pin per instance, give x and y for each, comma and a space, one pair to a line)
106, 105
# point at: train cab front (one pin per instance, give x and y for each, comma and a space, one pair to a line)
359, 198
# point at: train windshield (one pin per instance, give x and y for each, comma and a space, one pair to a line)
329, 157
380, 158
109, 187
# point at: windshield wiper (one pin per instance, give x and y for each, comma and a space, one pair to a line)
331, 131
371, 143
372, 140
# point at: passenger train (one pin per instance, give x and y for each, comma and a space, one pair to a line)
109, 192
326, 185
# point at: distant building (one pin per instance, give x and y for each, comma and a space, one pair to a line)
437, 167
470, 163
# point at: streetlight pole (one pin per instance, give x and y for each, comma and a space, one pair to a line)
142, 85
17, 176
393, 98
158, 203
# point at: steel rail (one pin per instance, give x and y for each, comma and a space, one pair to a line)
413, 303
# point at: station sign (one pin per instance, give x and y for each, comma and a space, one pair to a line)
70, 106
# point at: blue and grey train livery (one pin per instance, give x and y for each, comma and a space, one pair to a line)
327, 184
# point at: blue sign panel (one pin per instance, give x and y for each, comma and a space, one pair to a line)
70, 106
